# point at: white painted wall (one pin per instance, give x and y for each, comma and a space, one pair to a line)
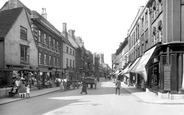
67, 55
13, 41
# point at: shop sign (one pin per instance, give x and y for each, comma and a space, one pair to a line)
167, 76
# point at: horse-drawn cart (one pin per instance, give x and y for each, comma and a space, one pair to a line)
91, 80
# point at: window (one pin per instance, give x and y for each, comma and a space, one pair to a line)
66, 49
39, 36
35, 31
23, 33
154, 35
71, 51
54, 44
66, 62
57, 45
73, 63
39, 58
45, 59
70, 63
24, 54
45, 38
160, 5
50, 60
54, 61
160, 29
49, 41
57, 62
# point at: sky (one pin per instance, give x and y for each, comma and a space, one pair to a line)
102, 24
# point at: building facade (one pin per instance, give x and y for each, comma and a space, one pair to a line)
69, 53
156, 47
18, 49
49, 44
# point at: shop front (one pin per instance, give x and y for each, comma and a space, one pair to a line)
133, 75
172, 68
44, 78
143, 70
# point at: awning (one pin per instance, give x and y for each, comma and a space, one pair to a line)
116, 72
141, 67
125, 71
120, 73
133, 65
44, 70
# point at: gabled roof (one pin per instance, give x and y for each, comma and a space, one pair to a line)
7, 19
72, 41
36, 16
67, 41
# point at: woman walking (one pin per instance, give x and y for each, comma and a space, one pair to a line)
84, 87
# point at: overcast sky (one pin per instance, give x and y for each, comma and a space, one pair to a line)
102, 24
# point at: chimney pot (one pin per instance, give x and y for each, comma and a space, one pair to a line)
44, 14
72, 33
64, 27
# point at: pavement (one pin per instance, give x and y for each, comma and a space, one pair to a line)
146, 97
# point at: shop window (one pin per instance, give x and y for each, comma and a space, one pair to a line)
24, 57
23, 33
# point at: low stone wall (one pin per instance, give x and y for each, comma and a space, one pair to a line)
4, 92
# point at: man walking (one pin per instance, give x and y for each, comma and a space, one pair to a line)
84, 87
118, 85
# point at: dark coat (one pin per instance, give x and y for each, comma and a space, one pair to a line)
84, 86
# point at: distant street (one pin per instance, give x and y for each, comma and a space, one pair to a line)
100, 101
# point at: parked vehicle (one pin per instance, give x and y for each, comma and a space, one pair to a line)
91, 80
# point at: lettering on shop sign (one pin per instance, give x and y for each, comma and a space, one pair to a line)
167, 76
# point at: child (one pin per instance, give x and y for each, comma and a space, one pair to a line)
28, 91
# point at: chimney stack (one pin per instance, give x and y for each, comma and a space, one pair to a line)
72, 32
12, 4
64, 27
44, 14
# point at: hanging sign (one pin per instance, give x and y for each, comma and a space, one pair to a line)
167, 77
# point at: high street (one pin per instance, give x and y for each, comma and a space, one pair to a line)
100, 101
